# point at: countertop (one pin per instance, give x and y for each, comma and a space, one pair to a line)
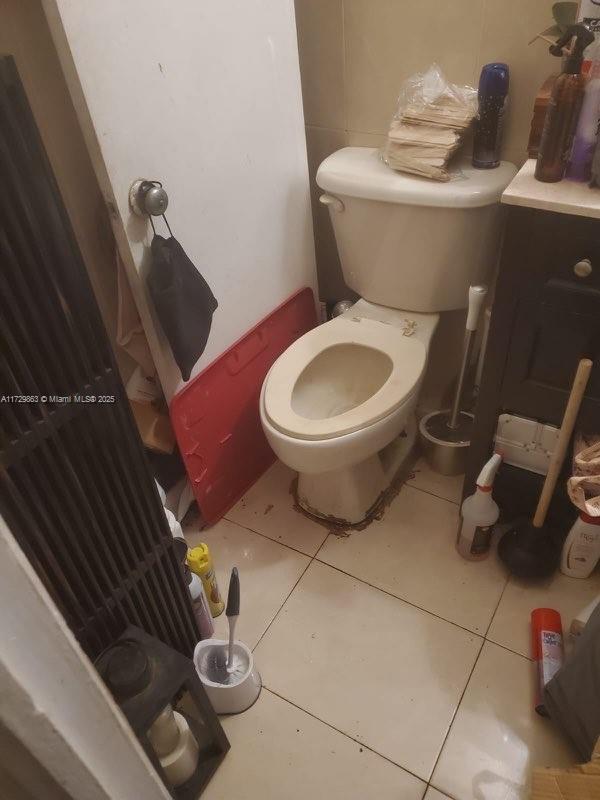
565, 197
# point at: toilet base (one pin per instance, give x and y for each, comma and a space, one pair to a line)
348, 495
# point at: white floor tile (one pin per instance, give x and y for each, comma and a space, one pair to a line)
368, 664
434, 794
268, 572
497, 738
268, 507
279, 751
511, 624
411, 554
447, 486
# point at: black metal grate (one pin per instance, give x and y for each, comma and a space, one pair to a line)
75, 486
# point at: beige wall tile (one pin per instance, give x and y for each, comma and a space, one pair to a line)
320, 143
357, 139
507, 27
321, 50
388, 40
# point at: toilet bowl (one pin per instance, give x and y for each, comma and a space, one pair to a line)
338, 406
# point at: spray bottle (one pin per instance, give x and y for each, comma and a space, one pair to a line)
478, 515
492, 96
564, 106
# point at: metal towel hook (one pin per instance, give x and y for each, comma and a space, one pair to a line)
149, 199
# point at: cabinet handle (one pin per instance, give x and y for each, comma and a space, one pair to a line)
583, 268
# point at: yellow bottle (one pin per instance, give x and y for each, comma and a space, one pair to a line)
199, 561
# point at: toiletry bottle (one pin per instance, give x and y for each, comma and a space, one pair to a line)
547, 650
478, 515
200, 561
200, 604
564, 106
493, 96
581, 550
586, 133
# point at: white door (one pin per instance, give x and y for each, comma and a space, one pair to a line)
203, 95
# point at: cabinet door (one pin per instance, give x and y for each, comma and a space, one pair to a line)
557, 323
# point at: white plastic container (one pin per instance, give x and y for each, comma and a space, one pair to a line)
581, 550
478, 515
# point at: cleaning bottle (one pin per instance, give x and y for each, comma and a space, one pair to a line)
200, 561
478, 515
581, 550
564, 106
492, 96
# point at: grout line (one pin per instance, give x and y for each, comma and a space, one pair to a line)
432, 494
277, 613
444, 792
347, 735
401, 599
456, 711
276, 541
324, 128
497, 605
344, 68
509, 650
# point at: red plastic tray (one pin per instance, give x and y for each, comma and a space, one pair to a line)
216, 416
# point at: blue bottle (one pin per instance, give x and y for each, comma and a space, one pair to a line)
493, 96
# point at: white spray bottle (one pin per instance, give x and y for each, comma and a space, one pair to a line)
478, 515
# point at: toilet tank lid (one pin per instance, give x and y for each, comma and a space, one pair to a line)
360, 172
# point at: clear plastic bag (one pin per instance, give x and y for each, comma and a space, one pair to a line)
426, 129
429, 94
584, 485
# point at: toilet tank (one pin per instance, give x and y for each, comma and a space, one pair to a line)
410, 242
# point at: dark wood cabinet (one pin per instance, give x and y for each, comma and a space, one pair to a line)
545, 318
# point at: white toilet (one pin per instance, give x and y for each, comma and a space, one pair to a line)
338, 405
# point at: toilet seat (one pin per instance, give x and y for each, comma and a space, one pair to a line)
342, 376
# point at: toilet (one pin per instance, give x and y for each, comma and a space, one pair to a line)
338, 406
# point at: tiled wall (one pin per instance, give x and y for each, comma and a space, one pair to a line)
354, 54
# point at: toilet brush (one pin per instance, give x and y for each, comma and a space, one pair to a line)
446, 435
226, 668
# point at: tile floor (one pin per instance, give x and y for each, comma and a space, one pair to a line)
392, 668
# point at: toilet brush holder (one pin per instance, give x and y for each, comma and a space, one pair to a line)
445, 449
229, 692
446, 435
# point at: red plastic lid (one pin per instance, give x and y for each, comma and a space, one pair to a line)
587, 518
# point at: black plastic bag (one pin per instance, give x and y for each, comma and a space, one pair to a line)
183, 300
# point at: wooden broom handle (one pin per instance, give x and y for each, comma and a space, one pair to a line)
564, 436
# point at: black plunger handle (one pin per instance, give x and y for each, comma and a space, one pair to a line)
233, 596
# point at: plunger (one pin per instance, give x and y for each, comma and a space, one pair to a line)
528, 549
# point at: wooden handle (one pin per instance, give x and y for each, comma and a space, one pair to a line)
564, 435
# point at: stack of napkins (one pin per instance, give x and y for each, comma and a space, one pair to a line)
428, 126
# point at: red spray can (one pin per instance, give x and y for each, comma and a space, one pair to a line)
546, 650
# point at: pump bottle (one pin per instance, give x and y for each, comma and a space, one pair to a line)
564, 106
478, 515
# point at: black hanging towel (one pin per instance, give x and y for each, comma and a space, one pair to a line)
183, 300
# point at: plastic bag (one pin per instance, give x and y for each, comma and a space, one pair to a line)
428, 98
584, 486
426, 129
